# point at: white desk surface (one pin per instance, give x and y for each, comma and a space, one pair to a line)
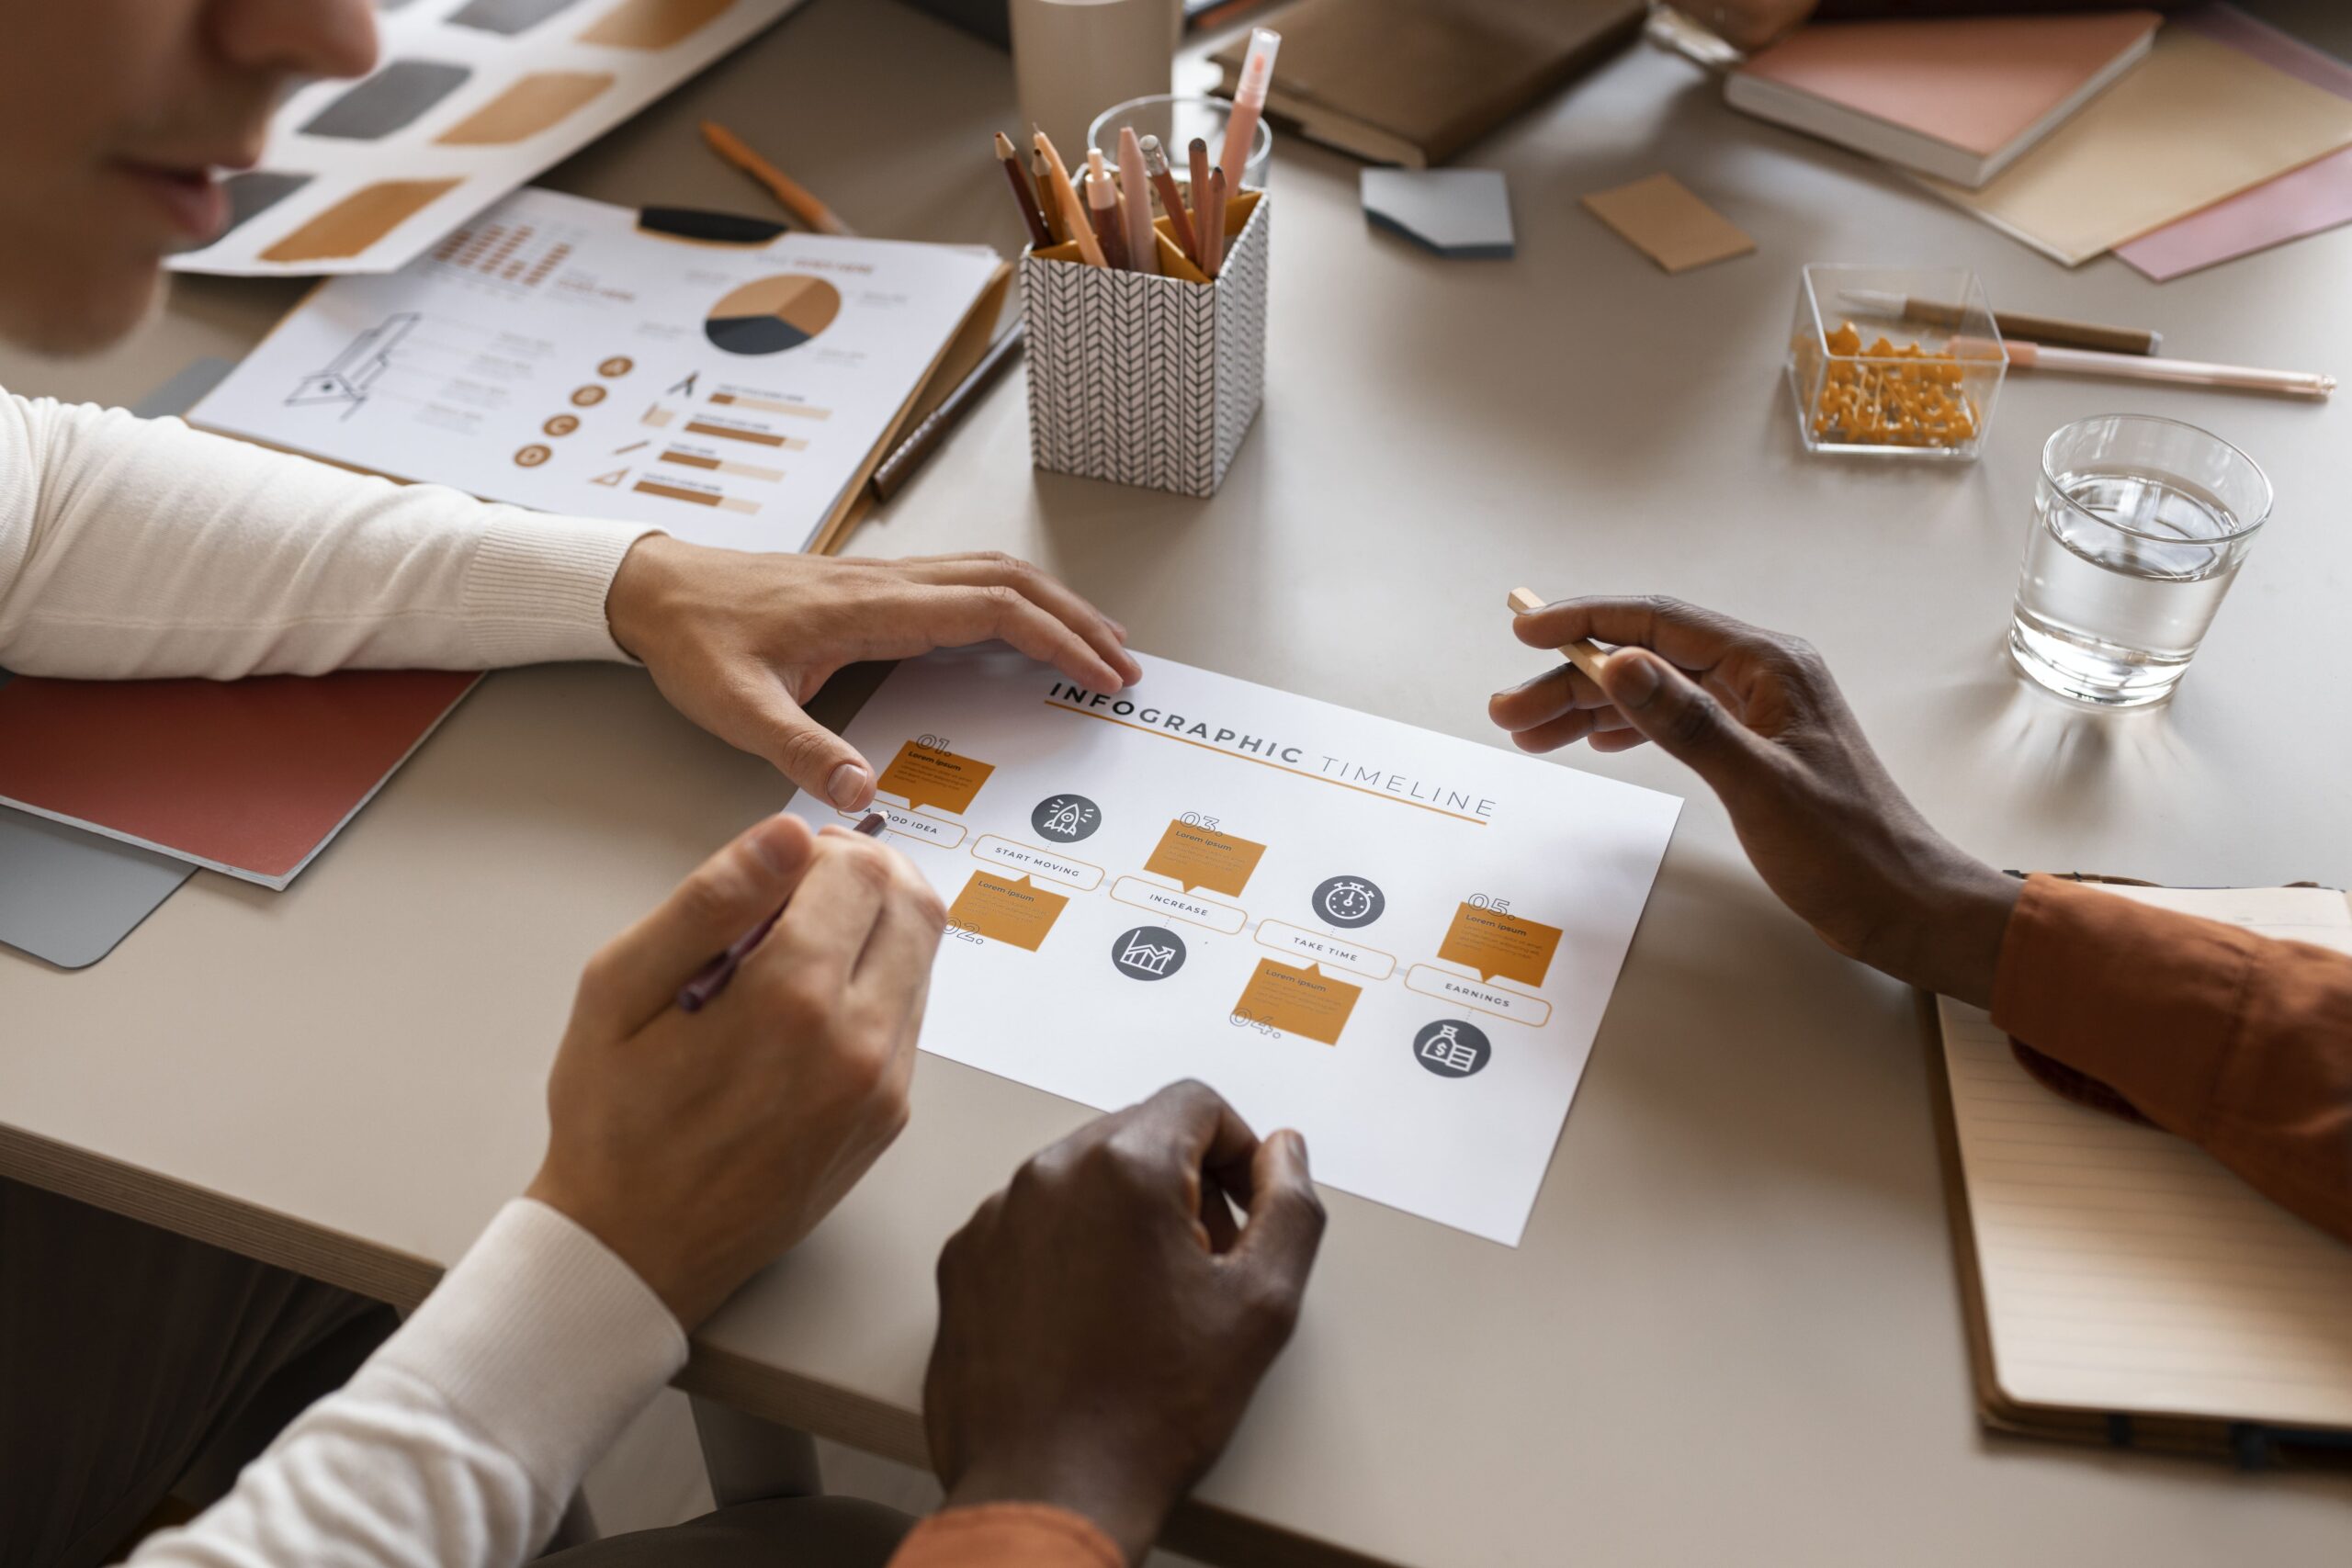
1732, 1334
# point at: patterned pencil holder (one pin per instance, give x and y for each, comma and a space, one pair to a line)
1142, 380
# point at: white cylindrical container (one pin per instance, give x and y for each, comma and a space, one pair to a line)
1073, 59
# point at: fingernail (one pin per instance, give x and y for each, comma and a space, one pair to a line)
849, 785
1639, 683
1298, 1141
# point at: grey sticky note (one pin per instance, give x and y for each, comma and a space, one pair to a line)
184, 390
259, 190
1461, 213
390, 100
68, 896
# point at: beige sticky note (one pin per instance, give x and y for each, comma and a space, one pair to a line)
2198, 121
1669, 224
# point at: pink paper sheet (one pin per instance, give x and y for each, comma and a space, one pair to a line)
2302, 202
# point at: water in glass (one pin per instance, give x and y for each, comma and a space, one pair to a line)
2121, 578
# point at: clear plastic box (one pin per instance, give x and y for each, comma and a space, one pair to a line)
1916, 376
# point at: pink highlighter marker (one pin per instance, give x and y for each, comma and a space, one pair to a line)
1248, 104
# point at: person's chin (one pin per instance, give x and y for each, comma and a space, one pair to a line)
84, 311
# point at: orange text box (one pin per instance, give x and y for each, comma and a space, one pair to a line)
924, 775
1201, 857
1501, 945
1007, 909
1297, 1001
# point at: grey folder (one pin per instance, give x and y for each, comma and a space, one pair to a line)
68, 897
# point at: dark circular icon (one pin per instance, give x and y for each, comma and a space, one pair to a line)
561, 425
587, 397
1451, 1048
618, 364
1349, 902
1066, 819
531, 456
1149, 952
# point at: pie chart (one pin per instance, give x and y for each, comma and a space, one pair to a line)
772, 314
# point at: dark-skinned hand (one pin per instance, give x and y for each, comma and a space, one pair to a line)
1103, 1322
1757, 715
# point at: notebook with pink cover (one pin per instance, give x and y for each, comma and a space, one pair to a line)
1957, 97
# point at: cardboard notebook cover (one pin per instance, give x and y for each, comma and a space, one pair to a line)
251, 777
1415, 82
2215, 1435
1958, 97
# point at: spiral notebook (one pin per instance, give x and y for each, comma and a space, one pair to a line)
2121, 1285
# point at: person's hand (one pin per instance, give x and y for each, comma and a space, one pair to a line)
737, 642
1757, 715
1103, 1326
700, 1147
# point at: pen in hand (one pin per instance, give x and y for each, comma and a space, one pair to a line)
711, 978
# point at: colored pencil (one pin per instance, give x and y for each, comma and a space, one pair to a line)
1024, 195
1052, 208
788, 192
1171, 200
1134, 205
1082, 232
1103, 210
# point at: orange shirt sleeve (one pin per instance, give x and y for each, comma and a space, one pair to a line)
1008, 1535
2239, 1042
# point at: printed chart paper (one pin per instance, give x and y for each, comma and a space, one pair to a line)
468, 99
1399, 942
553, 355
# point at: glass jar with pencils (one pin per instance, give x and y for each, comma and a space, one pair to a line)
1147, 333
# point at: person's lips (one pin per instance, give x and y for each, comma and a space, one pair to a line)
196, 204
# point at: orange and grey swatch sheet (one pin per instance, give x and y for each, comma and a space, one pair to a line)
248, 777
1399, 942
468, 99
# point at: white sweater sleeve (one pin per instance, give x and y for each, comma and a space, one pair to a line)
461, 1441
132, 547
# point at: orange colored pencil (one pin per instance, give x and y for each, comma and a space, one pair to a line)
789, 193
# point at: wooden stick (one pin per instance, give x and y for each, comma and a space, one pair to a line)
1073, 214
788, 192
1581, 653
1024, 195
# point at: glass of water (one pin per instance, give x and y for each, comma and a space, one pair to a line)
2140, 525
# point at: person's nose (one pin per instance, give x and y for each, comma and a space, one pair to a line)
299, 38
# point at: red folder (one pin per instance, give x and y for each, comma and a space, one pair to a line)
248, 777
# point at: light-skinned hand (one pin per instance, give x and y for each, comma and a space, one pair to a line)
700, 1147
1757, 715
1102, 1322
737, 641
